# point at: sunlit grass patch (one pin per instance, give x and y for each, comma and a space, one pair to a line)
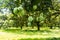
18, 34
41, 39
42, 31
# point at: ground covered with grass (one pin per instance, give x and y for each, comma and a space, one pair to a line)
18, 34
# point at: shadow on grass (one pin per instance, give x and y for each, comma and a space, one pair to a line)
14, 30
19, 31
40, 39
36, 30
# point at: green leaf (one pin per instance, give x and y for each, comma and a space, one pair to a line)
30, 18
29, 23
35, 7
41, 17
21, 11
15, 10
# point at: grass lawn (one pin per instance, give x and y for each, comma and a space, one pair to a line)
18, 34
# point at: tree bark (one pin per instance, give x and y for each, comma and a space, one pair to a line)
21, 27
38, 25
38, 28
51, 27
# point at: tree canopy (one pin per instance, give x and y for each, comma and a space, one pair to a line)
32, 12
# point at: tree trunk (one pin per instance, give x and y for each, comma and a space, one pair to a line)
21, 27
38, 28
38, 25
51, 27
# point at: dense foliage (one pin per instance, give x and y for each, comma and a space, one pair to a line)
40, 13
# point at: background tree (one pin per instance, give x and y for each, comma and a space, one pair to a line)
32, 12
